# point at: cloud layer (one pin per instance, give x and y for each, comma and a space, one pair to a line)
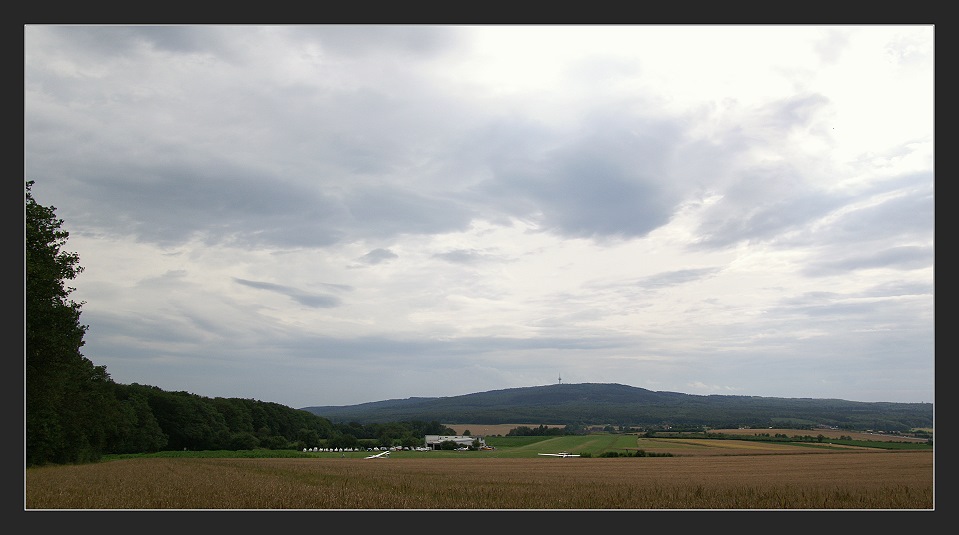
327, 215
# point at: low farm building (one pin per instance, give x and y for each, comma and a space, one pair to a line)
433, 441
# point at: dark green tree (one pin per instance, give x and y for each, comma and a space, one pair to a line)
309, 437
71, 411
137, 429
190, 421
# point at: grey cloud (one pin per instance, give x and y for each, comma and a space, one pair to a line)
758, 216
609, 181
368, 131
171, 276
317, 301
179, 170
794, 112
601, 71
385, 347
763, 201
811, 298
764, 205
119, 40
377, 256
831, 46
638, 290
114, 42
345, 41
909, 50
352, 40
465, 256
673, 278
322, 174
386, 211
304, 298
884, 304
848, 311
895, 230
900, 289
907, 211
901, 258
142, 327
167, 204
177, 39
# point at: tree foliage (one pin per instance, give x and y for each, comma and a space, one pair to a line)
70, 407
541, 431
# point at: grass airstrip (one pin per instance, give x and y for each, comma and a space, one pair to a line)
699, 473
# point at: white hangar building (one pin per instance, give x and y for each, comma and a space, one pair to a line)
433, 441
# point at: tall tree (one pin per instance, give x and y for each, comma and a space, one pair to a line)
70, 406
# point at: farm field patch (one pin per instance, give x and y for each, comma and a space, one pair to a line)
828, 433
714, 447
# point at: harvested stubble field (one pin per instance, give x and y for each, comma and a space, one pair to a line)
702, 446
844, 480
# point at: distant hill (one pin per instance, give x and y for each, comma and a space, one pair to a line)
616, 404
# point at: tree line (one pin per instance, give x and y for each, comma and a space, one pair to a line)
75, 413
185, 421
544, 431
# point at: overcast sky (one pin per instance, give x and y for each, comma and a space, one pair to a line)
331, 215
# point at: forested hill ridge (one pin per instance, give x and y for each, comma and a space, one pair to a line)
616, 404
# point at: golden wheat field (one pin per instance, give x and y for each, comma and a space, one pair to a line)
843, 480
